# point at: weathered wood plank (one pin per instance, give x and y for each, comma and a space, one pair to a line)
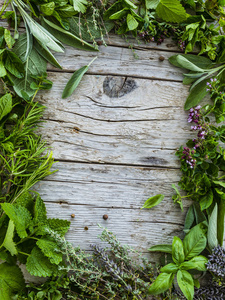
143, 126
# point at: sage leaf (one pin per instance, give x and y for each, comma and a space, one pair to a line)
46, 54
8, 242
75, 80
186, 284
177, 250
187, 64
221, 183
5, 105
66, 37
196, 95
161, 248
171, 11
153, 201
197, 263
199, 61
162, 283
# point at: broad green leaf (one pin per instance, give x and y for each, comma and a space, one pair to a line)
34, 65
20, 216
46, 54
190, 217
8, 38
199, 215
49, 248
40, 214
194, 242
48, 8
151, 4
39, 265
129, 4
177, 250
170, 268
2, 69
131, 22
67, 37
8, 242
197, 263
75, 80
153, 201
161, 248
5, 105
206, 201
162, 283
186, 284
14, 65
11, 280
220, 222
196, 95
79, 5
199, 61
187, 64
171, 11
119, 14
212, 229
59, 226
221, 183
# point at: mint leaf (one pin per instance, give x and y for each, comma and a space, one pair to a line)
151, 4
11, 280
39, 265
49, 248
79, 5
8, 241
58, 225
40, 214
5, 105
171, 11
20, 216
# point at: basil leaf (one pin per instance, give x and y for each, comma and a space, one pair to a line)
177, 250
153, 201
161, 248
186, 284
170, 268
162, 283
197, 263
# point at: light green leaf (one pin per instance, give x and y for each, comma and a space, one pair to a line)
5, 105
8, 38
186, 284
75, 80
67, 37
212, 229
221, 183
197, 263
153, 201
131, 22
119, 14
129, 4
170, 268
46, 54
171, 11
48, 8
49, 248
206, 200
38, 264
177, 250
195, 241
161, 248
79, 5
8, 242
199, 61
187, 64
11, 280
20, 216
151, 4
2, 69
196, 95
162, 283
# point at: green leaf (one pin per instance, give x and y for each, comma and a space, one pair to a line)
161, 248
119, 14
186, 284
40, 214
195, 241
79, 5
177, 250
8, 38
212, 229
153, 201
67, 37
197, 263
5, 105
162, 283
8, 241
20, 216
220, 222
199, 61
199, 215
2, 69
39, 265
129, 4
220, 183
49, 248
196, 95
206, 201
35, 65
59, 226
185, 63
171, 11
11, 280
14, 65
46, 54
131, 22
48, 8
75, 80
151, 4
190, 217
170, 268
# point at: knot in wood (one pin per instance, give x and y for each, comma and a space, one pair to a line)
116, 87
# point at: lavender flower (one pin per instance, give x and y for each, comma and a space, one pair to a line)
216, 263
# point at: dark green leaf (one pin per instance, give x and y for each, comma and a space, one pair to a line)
206, 201
14, 65
212, 229
171, 11
79, 5
196, 95
46, 54
5, 105
220, 222
190, 217
153, 201
199, 61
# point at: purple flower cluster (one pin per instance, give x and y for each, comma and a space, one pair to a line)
194, 115
181, 45
216, 263
210, 84
187, 155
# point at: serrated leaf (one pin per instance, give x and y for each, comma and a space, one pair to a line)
161, 248
11, 280
2, 69
79, 5
186, 284
59, 225
39, 265
20, 216
75, 80
49, 248
151, 4
162, 283
171, 11
212, 229
197, 263
14, 65
132, 23
5, 105
129, 4
40, 214
153, 201
8, 242
196, 95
